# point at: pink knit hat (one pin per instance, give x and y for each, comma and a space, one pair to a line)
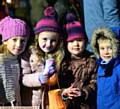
48, 22
74, 28
10, 27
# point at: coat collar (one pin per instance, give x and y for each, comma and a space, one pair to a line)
105, 68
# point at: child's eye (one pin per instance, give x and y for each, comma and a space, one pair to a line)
79, 40
23, 41
53, 40
31, 60
110, 48
71, 41
102, 48
44, 39
14, 40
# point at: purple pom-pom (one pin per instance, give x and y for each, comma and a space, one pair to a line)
49, 11
70, 17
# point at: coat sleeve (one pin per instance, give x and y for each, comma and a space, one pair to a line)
111, 12
90, 89
29, 79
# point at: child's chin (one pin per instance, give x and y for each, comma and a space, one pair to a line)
16, 53
107, 60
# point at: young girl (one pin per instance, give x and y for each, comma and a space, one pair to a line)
48, 45
105, 46
36, 66
79, 69
14, 38
35, 62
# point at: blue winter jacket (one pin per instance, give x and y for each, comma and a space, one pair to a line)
108, 81
100, 13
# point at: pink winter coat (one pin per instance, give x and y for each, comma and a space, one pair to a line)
30, 79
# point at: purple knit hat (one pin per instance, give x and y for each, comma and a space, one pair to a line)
10, 27
74, 28
48, 22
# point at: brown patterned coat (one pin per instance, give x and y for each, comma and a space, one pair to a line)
81, 72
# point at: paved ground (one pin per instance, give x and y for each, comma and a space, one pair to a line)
19, 107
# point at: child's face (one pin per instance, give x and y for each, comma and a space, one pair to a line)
105, 50
76, 47
16, 45
48, 41
35, 63
34, 60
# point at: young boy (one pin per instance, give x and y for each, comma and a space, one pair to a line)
105, 46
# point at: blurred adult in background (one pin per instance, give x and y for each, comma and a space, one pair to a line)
61, 6
17, 8
22, 9
37, 7
100, 13
2, 10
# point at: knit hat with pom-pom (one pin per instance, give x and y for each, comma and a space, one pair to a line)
74, 28
48, 22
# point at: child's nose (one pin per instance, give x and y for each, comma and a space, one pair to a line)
18, 43
75, 42
106, 51
48, 43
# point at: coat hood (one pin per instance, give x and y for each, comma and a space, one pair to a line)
107, 34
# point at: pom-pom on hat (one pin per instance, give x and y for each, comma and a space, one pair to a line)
10, 27
74, 28
48, 22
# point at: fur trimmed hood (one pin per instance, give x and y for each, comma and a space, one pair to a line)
105, 33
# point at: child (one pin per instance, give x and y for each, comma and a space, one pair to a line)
105, 46
35, 62
48, 45
14, 39
36, 66
79, 69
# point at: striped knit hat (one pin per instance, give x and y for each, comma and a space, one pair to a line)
74, 28
48, 22
10, 27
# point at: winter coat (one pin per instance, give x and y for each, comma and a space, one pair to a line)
81, 72
9, 80
30, 79
34, 84
108, 80
36, 91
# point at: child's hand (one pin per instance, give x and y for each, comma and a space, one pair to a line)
71, 92
49, 67
43, 78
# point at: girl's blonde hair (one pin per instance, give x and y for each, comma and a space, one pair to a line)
104, 34
57, 54
4, 50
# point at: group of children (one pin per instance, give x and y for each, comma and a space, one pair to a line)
52, 62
